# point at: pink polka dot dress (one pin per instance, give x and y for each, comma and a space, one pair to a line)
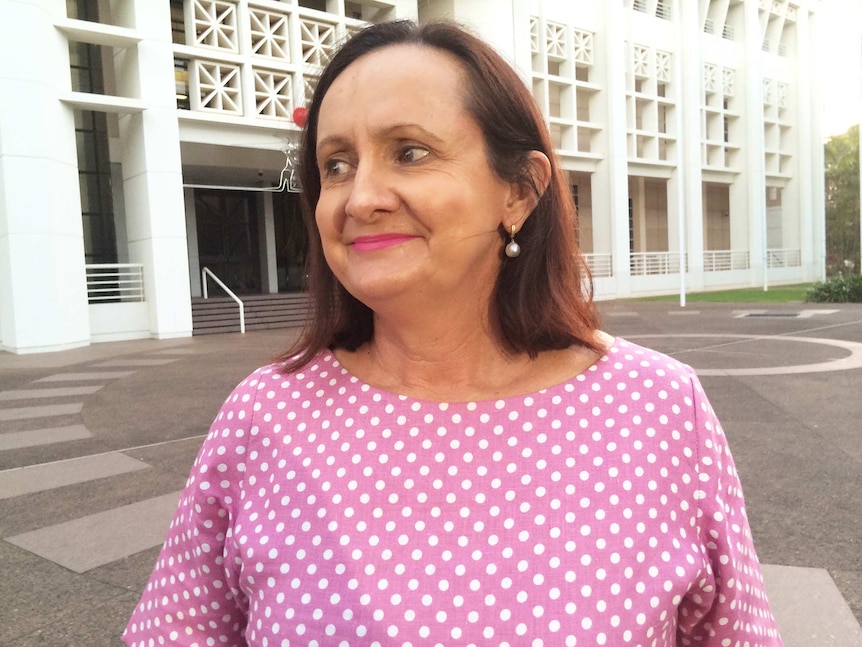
322, 511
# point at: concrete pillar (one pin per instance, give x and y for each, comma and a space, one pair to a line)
43, 292
496, 20
808, 213
152, 170
689, 99
752, 112
612, 171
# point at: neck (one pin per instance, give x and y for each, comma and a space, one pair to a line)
451, 354
448, 353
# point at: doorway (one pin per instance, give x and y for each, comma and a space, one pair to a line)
228, 238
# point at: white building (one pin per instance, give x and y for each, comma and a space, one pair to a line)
128, 127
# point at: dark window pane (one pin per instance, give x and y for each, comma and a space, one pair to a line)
177, 24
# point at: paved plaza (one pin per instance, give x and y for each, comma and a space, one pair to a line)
96, 443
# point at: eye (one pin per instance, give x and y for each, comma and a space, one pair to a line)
334, 167
409, 154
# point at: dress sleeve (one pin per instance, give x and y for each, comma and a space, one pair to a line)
192, 597
728, 605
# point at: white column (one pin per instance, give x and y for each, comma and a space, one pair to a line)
754, 172
610, 185
689, 100
152, 170
522, 54
805, 175
406, 10
43, 294
493, 19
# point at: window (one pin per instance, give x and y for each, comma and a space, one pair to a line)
178, 27
94, 174
85, 65
83, 10
181, 82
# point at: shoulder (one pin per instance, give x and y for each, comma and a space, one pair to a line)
320, 367
274, 385
634, 363
263, 394
644, 386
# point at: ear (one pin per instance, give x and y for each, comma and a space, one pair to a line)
525, 193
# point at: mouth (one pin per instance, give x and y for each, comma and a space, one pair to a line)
381, 241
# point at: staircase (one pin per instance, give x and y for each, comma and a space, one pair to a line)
262, 311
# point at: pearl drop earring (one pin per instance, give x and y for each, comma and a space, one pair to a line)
513, 249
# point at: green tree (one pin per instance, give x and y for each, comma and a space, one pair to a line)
842, 203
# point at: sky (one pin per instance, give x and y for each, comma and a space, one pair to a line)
840, 64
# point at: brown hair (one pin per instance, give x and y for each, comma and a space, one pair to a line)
543, 299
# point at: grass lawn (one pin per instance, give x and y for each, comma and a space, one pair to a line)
775, 294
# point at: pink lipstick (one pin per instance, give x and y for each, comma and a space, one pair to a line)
382, 241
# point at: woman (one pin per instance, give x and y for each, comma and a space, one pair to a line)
453, 453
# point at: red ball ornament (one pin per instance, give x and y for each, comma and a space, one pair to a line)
299, 116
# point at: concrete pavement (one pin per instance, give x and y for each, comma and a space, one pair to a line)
96, 443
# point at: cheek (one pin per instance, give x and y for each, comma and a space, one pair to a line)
326, 217
330, 228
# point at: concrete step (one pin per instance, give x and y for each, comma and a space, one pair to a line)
262, 312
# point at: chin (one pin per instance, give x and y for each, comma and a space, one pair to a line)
373, 292
382, 275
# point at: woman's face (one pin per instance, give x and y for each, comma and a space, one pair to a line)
409, 206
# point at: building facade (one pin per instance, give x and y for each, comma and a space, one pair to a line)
143, 141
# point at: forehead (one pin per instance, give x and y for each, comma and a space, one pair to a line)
396, 78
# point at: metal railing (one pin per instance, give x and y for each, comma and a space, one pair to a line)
601, 265
208, 272
725, 260
783, 258
114, 282
645, 263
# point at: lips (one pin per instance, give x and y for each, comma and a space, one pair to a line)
381, 241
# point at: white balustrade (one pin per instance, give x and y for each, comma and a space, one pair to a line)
725, 260
114, 282
646, 263
600, 265
783, 258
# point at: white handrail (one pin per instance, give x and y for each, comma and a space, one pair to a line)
207, 271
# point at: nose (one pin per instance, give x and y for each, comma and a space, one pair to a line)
372, 191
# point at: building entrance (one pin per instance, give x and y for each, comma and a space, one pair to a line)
228, 243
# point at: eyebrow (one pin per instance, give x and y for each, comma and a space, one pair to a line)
331, 140
339, 140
